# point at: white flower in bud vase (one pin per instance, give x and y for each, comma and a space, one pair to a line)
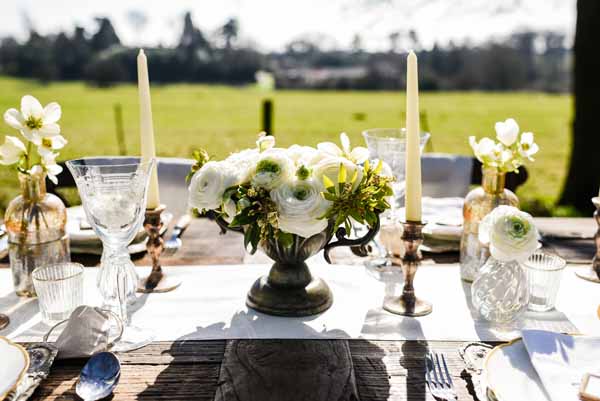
357, 155
507, 132
330, 167
510, 234
273, 169
300, 206
485, 150
49, 165
527, 146
208, 185
12, 150
265, 142
34, 121
50, 144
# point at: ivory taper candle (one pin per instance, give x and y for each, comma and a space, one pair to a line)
413, 148
146, 128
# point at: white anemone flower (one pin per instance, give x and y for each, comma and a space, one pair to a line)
510, 234
273, 169
50, 167
34, 121
507, 132
11, 151
527, 146
50, 144
485, 150
300, 206
357, 155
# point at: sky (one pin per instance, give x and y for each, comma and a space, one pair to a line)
272, 23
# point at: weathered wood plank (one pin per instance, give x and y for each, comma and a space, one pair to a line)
290, 370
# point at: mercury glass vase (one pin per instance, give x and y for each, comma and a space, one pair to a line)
36, 225
478, 203
500, 293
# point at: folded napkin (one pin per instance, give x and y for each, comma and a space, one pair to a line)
561, 361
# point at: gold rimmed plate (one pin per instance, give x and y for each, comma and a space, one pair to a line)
508, 374
15, 362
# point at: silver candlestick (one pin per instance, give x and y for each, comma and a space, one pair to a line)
593, 273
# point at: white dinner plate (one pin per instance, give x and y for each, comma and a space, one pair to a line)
509, 375
15, 362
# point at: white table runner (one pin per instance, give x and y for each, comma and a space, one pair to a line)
210, 305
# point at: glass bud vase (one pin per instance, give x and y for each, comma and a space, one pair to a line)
478, 203
500, 293
36, 225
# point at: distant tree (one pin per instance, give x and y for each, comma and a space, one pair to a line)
192, 37
106, 36
229, 31
583, 179
394, 38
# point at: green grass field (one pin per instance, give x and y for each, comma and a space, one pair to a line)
222, 119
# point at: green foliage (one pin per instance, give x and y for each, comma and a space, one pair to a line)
363, 202
257, 215
201, 156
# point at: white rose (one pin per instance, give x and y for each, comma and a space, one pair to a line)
11, 151
273, 168
510, 233
243, 163
209, 184
507, 131
330, 167
300, 205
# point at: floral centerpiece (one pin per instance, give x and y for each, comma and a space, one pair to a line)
506, 155
35, 221
500, 292
290, 202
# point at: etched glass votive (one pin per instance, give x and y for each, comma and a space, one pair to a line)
544, 272
59, 289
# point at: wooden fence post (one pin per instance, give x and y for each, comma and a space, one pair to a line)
118, 109
267, 116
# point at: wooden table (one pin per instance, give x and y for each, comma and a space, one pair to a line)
287, 370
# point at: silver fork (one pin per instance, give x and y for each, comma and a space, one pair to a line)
173, 244
438, 378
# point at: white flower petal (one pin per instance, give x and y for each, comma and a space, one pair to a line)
507, 132
345, 141
31, 107
330, 148
49, 130
14, 118
527, 137
359, 154
52, 113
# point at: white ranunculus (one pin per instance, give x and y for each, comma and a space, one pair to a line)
527, 146
49, 164
300, 204
243, 163
330, 167
510, 234
507, 132
34, 121
305, 155
265, 142
11, 151
208, 185
358, 155
273, 168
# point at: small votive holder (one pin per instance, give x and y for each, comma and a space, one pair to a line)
59, 289
544, 273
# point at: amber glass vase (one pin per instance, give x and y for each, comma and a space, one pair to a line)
36, 225
478, 203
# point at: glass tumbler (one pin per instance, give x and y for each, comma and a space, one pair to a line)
544, 272
60, 290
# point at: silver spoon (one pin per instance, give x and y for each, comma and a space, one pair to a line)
99, 377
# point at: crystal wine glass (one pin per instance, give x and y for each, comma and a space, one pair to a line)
389, 145
113, 193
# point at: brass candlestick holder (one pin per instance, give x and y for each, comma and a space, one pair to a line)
408, 304
156, 281
593, 274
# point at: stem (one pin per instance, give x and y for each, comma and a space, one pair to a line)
27, 159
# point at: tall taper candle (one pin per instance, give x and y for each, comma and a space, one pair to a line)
146, 127
413, 149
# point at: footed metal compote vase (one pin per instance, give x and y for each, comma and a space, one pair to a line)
289, 289
593, 274
113, 192
408, 304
